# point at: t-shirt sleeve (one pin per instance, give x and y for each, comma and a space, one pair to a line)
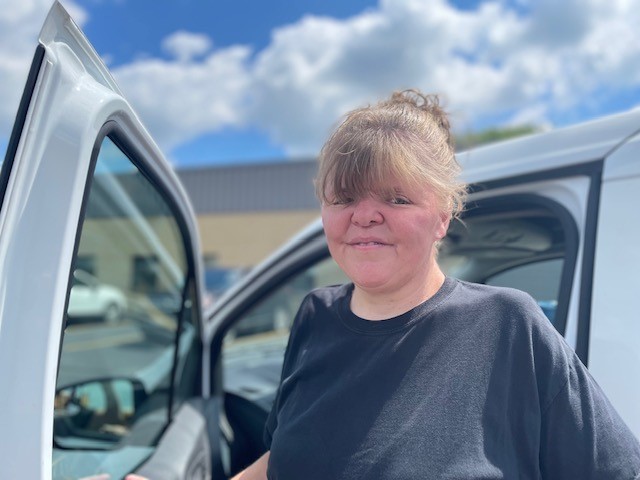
582, 436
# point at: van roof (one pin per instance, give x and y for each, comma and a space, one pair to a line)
562, 147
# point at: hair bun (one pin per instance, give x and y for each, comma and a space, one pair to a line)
428, 103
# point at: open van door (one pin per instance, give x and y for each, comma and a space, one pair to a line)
99, 377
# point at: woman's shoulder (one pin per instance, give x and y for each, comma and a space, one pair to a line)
520, 328
494, 297
510, 311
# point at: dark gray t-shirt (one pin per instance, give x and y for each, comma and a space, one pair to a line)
475, 383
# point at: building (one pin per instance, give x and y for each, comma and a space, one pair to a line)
245, 212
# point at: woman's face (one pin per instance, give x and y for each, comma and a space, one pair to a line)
385, 245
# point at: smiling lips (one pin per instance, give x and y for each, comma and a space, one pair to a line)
367, 243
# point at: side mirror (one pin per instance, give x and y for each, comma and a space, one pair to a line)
96, 413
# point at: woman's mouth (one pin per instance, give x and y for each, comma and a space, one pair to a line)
367, 243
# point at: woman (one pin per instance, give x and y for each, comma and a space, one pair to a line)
408, 374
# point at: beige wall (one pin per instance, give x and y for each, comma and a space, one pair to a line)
113, 243
243, 239
234, 240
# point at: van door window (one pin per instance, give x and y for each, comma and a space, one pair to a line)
130, 285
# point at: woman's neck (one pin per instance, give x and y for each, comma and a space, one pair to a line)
381, 305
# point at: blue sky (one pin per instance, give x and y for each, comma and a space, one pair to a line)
229, 81
227, 22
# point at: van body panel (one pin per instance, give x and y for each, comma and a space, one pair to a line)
615, 330
624, 162
551, 150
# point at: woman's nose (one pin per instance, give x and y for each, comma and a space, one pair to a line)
366, 212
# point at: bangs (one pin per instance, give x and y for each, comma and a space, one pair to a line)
366, 165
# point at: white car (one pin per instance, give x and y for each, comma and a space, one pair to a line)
553, 214
91, 299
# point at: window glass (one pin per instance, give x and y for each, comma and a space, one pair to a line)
126, 296
253, 349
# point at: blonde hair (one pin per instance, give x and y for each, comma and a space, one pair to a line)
406, 137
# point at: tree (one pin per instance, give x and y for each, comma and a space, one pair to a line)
474, 139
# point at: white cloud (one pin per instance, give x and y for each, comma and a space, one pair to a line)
186, 46
494, 62
535, 114
316, 69
179, 101
530, 63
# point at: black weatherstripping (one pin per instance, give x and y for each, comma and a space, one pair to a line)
586, 168
588, 259
21, 117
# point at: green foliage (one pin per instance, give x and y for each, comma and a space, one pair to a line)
474, 139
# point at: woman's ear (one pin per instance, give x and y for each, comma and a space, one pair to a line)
443, 225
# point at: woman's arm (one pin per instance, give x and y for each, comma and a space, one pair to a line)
256, 471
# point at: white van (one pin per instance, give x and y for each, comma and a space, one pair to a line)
175, 392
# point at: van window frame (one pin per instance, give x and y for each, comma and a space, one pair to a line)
21, 118
117, 134
593, 171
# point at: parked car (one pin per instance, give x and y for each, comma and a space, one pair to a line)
90, 299
552, 214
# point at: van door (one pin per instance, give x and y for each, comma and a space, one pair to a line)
101, 358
